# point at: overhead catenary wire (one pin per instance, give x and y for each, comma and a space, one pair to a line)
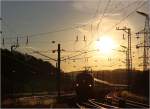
9, 28
54, 31
120, 10
103, 15
96, 12
116, 6
58, 31
45, 33
97, 9
124, 18
123, 8
49, 32
63, 58
38, 52
121, 20
84, 52
74, 59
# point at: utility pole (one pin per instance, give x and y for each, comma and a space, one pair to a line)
14, 47
129, 55
126, 59
146, 45
58, 71
3, 43
1, 23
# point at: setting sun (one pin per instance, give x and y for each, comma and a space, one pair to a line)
106, 44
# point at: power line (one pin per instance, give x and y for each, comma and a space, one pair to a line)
116, 24
97, 9
146, 45
51, 32
85, 25
125, 18
9, 28
99, 23
123, 8
95, 15
58, 30
36, 51
84, 52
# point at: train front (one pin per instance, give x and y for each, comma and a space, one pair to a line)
84, 85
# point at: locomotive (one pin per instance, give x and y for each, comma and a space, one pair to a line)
84, 85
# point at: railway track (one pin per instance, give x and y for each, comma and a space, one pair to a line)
129, 103
103, 105
85, 105
91, 103
88, 104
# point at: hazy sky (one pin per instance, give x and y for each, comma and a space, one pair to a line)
29, 18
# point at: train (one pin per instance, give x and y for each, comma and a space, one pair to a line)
86, 86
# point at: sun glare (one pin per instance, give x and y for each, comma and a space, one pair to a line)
105, 45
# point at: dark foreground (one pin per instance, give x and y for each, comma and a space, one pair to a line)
110, 100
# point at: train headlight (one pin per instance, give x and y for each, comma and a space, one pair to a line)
90, 85
77, 84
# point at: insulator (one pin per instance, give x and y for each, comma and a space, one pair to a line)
53, 51
77, 38
95, 60
17, 41
123, 37
53, 42
98, 39
137, 36
91, 27
84, 38
3, 42
27, 41
117, 28
63, 50
137, 46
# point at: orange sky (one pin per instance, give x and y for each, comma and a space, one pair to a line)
26, 18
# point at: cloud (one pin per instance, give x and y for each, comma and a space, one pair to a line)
85, 5
93, 6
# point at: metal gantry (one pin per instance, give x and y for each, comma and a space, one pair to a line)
146, 44
128, 53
